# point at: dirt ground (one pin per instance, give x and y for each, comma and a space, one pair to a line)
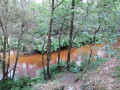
101, 79
68, 80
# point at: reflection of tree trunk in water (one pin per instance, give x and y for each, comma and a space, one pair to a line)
93, 42
70, 34
43, 59
60, 33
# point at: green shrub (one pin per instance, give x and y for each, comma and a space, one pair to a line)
78, 42
73, 67
116, 72
23, 83
55, 69
6, 85
97, 62
83, 65
92, 64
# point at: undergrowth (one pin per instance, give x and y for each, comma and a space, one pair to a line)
116, 72
77, 42
25, 83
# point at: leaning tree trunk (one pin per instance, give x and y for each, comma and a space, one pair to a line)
93, 42
17, 55
70, 34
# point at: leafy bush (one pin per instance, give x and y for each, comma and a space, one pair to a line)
55, 69
23, 83
116, 72
77, 68
84, 39
83, 65
97, 62
6, 85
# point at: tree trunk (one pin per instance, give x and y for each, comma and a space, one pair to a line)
70, 34
43, 59
49, 38
4, 50
49, 41
8, 63
4, 57
93, 42
17, 55
60, 33
59, 46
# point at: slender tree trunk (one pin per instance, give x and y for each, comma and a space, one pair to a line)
93, 42
3, 25
59, 47
4, 51
17, 55
49, 37
4, 57
43, 59
49, 41
8, 63
60, 33
70, 34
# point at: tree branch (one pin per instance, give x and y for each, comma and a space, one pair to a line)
58, 4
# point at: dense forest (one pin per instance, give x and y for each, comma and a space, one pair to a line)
59, 45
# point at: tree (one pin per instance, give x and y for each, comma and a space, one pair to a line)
49, 36
93, 42
60, 33
43, 57
11, 21
4, 19
70, 34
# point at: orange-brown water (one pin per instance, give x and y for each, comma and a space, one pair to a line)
28, 65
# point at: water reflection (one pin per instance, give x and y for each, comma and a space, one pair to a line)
100, 53
28, 65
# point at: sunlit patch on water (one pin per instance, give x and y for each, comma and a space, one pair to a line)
78, 62
100, 53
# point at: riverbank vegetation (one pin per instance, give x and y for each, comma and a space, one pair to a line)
28, 27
